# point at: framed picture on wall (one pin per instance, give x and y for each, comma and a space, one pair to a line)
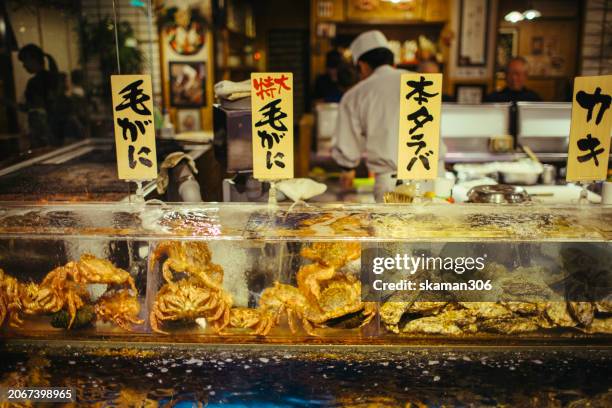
470, 93
187, 84
507, 47
473, 28
188, 120
326, 30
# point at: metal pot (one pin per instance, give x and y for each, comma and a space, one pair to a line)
498, 194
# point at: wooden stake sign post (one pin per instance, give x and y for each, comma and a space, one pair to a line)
419, 126
589, 141
134, 128
272, 125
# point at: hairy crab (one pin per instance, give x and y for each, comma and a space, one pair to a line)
10, 302
327, 258
199, 293
258, 320
339, 299
121, 308
66, 287
190, 258
189, 299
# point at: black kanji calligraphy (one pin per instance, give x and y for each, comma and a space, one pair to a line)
589, 144
416, 118
277, 160
143, 151
590, 101
269, 138
423, 158
132, 128
134, 98
272, 116
418, 88
419, 145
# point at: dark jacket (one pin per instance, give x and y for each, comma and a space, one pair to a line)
508, 95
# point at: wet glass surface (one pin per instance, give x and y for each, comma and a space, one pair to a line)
283, 376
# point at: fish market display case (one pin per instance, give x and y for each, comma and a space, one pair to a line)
249, 273
83, 171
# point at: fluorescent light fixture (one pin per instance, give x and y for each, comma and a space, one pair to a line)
514, 17
531, 14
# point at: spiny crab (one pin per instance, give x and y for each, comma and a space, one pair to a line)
198, 294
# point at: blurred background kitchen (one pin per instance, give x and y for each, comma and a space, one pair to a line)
516, 57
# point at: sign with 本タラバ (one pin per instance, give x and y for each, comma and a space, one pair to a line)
419, 126
272, 110
589, 141
134, 128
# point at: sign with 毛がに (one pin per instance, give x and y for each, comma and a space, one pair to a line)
272, 125
132, 97
589, 140
419, 126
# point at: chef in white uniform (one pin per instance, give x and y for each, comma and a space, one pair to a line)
368, 115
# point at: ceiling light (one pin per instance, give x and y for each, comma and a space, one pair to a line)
514, 17
531, 14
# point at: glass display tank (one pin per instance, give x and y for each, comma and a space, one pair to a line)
331, 274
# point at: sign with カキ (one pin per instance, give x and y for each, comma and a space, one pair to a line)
134, 128
589, 141
272, 125
419, 126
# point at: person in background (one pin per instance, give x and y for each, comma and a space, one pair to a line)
515, 90
79, 98
428, 67
65, 122
41, 94
368, 115
432, 67
327, 86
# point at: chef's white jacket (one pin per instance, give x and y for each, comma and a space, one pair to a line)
368, 121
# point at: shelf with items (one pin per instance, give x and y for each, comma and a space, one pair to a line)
235, 41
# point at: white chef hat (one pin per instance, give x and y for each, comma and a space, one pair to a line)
367, 42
